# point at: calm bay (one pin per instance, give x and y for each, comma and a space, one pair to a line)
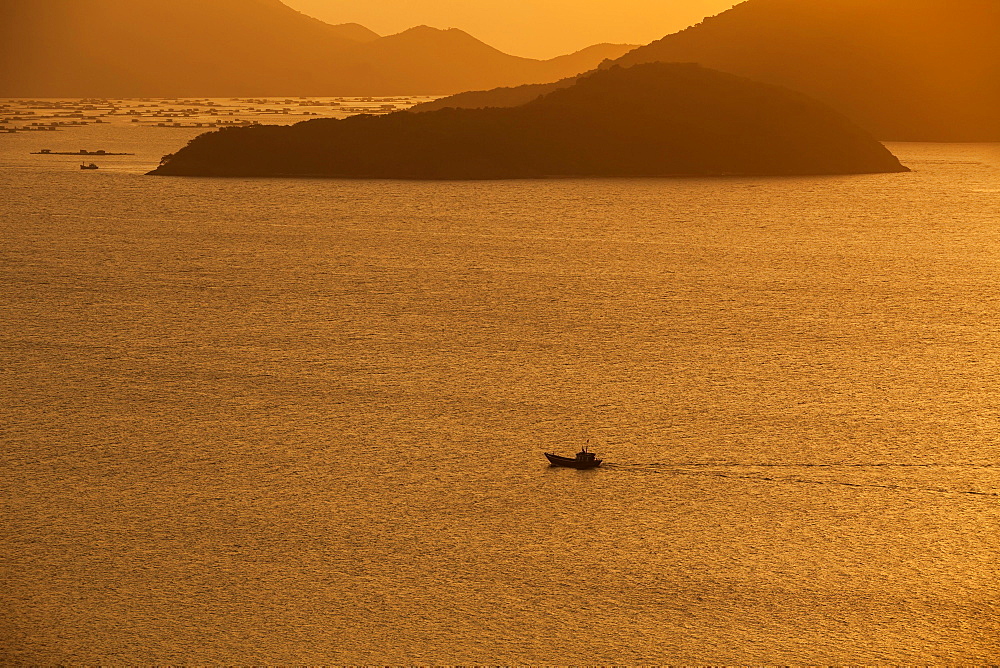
302, 421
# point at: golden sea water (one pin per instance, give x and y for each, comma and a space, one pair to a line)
302, 421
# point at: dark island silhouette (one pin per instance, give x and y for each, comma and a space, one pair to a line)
649, 120
244, 48
905, 70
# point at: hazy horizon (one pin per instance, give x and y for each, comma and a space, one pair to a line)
541, 29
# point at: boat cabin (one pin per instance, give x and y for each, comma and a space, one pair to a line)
582, 460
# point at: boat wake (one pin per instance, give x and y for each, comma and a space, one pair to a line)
733, 472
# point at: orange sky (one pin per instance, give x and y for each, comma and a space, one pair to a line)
533, 28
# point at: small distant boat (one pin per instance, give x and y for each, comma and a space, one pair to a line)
90, 166
583, 460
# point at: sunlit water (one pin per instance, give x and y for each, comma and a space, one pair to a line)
302, 421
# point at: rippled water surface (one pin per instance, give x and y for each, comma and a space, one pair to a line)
302, 421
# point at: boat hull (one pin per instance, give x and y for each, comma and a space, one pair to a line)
571, 462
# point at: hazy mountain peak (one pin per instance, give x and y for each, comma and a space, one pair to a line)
422, 28
163, 48
431, 33
355, 32
921, 70
904, 69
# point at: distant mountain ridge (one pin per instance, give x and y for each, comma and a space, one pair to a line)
920, 70
356, 32
904, 69
167, 48
619, 122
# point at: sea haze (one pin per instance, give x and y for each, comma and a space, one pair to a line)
302, 421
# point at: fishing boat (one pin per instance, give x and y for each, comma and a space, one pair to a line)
583, 460
90, 166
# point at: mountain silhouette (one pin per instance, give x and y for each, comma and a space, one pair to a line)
654, 119
454, 60
354, 32
904, 69
218, 48
920, 70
